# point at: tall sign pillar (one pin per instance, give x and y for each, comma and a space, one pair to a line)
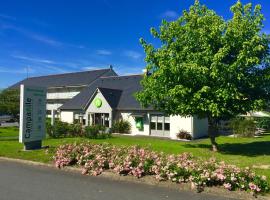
32, 116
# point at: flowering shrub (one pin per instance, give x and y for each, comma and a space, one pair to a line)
182, 168
183, 134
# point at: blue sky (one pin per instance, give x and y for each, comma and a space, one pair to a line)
57, 36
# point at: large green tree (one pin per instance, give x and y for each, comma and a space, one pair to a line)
10, 102
208, 66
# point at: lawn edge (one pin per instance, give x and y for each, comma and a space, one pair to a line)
148, 180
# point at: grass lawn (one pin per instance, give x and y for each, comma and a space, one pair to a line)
242, 152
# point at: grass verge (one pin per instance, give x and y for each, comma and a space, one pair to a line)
243, 152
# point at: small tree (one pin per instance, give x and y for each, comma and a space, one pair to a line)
208, 66
10, 102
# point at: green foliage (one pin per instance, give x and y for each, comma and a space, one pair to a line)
59, 129
75, 130
96, 132
121, 126
208, 66
63, 129
242, 152
263, 122
242, 126
10, 102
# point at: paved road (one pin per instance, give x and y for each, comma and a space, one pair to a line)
9, 124
25, 182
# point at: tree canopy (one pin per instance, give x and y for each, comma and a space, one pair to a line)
10, 102
208, 66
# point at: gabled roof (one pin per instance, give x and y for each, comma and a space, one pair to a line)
112, 96
129, 85
69, 79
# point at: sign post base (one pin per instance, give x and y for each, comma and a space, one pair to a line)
33, 145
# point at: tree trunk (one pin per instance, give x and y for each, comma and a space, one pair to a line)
213, 132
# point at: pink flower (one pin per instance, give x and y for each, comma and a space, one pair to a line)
221, 177
252, 186
227, 186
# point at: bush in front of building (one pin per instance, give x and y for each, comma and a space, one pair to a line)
94, 159
121, 126
96, 132
243, 127
75, 130
59, 129
183, 134
263, 123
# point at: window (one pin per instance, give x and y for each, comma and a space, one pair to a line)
153, 125
167, 126
160, 125
167, 123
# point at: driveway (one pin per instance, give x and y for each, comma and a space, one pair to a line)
24, 182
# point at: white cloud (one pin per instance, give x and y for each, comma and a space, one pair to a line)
32, 59
10, 70
44, 39
32, 35
169, 14
54, 69
104, 52
132, 54
124, 69
89, 68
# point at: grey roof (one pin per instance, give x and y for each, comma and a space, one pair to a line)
128, 85
112, 96
68, 79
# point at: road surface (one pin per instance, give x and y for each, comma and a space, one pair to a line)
9, 124
25, 182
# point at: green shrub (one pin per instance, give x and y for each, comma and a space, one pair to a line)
59, 129
96, 132
263, 122
121, 126
244, 127
75, 130
76, 121
49, 128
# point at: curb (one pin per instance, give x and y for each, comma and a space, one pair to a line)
148, 180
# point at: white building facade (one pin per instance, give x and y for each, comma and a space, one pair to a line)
102, 97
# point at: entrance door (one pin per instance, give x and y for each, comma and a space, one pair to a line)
100, 119
160, 125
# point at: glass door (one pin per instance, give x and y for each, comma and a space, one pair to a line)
100, 119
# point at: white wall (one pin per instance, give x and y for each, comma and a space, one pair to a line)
105, 107
67, 116
178, 123
125, 115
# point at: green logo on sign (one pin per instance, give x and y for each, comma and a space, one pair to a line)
98, 102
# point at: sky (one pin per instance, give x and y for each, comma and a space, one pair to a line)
60, 36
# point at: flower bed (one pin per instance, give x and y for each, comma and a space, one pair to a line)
136, 161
